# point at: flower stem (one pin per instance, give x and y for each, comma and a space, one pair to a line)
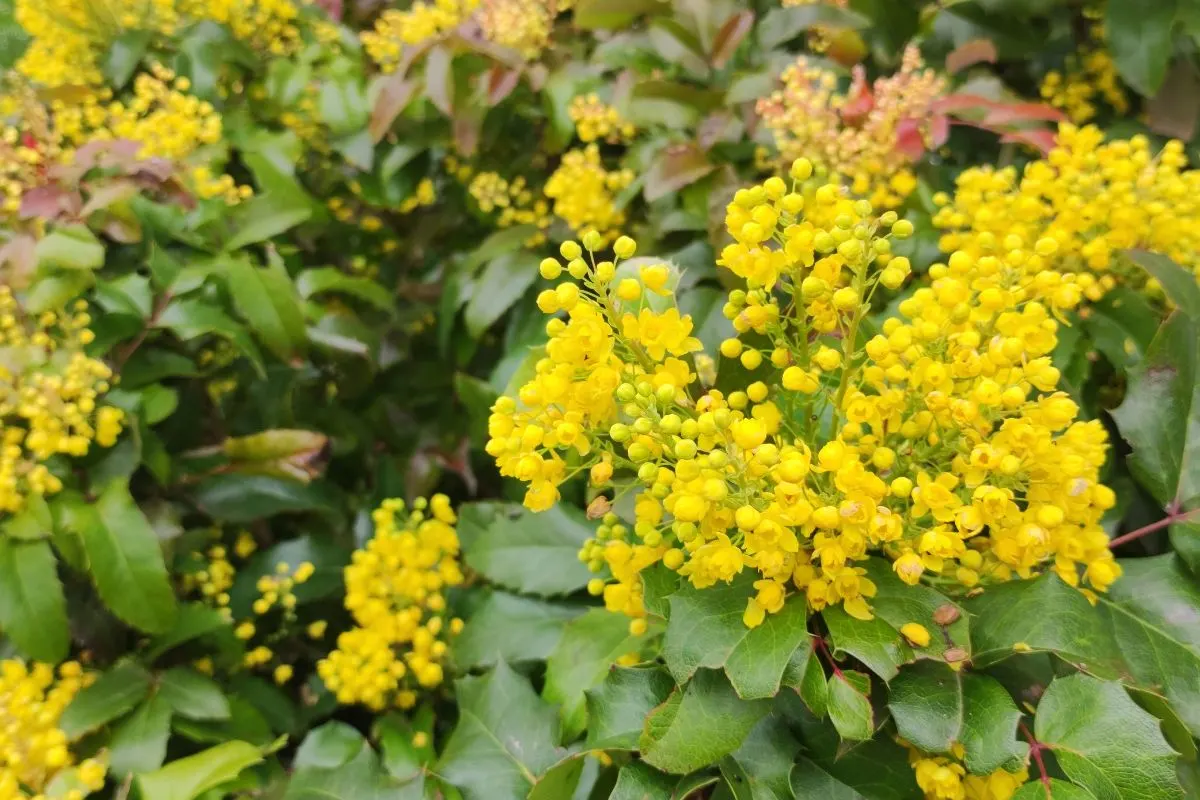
1172, 517
1035, 749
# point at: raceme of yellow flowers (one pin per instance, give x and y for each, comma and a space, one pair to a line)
597, 121
396, 30
853, 136
1090, 75
1087, 200
70, 37
34, 753
513, 202
523, 25
395, 591
50, 394
584, 193
945, 778
938, 442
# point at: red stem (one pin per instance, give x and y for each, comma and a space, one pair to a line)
1035, 749
1170, 519
823, 649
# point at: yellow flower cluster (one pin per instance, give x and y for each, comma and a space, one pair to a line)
944, 778
396, 30
33, 751
523, 25
937, 442
69, 38
584, 193
514, 201
854, 136
1081, 205
49, 398
29, 143
275, 591
1089, 76
595, 120
395, 592
214, 580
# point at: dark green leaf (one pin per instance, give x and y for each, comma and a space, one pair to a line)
263, 217
699, 724
511, 628
501, 284
850, 705
139, 743
194, 620
504, 741
936, 707
1139, 39
528, 552
873, 642
114, 693
267, 300
312, 282
1178, 283
124, 55
706, 630
189, 319
588, 648
806, 675
618, 707
780, 25
898, 604
243, 498
192, 695
809, 780
1104, 742
33, 611
125, 559
761, 768
328, 747
188, 778
640, 781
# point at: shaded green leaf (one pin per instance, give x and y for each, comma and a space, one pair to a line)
587, 649
761, 768
527, 552
1179, 284
328, 747
263, 217
33, 610
1139, 39
192, 695
507, 627
618, 707
139, 743
809, 780
114, 693
243, 498
189, 319
267, 300
313, 282
850, 704
503, 281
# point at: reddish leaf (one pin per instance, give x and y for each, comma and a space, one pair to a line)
997, 113
909, 141
1043, 139
976, 51
859, 99
731, 34
439, 79
395, 94
678, 165
331, 7
19, 254
48, 202
500, 83
466, 129
939, 130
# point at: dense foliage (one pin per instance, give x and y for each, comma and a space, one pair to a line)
581, 399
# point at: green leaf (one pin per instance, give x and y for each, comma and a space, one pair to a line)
125, 559
850, 705
189, 319
193, 621
898, 604
1160, 416
936, 707
705, 629
32, 523
263, 217
806, 675
809, 780
313, 282
1104, 742
139, 743
124, 55
244, 498
504, 741
1156, 627
267, 300
1139, 39
527, 552
327, 556
1059, 790
401, 756
640, 781
188, 778
114, 693
504, 280
361, 778
33, 610
1179, 283
780, 25
873, 642
761, 768
328, 746
588, 648
611, 14
192, 695
699, 724
511, 628
70, 247
618, 707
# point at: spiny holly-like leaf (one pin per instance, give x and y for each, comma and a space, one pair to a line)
898, 604
936, 707
1104, 742
1139, 38
806, 675
761, 768
510, 628
809, 780
527, 552
699, 724
587, 649
850, 705
1154, 619
705, 629
873, 642
1178, 283
618, 707
504, 742
1059, 790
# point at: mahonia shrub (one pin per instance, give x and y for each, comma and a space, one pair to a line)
938, 442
